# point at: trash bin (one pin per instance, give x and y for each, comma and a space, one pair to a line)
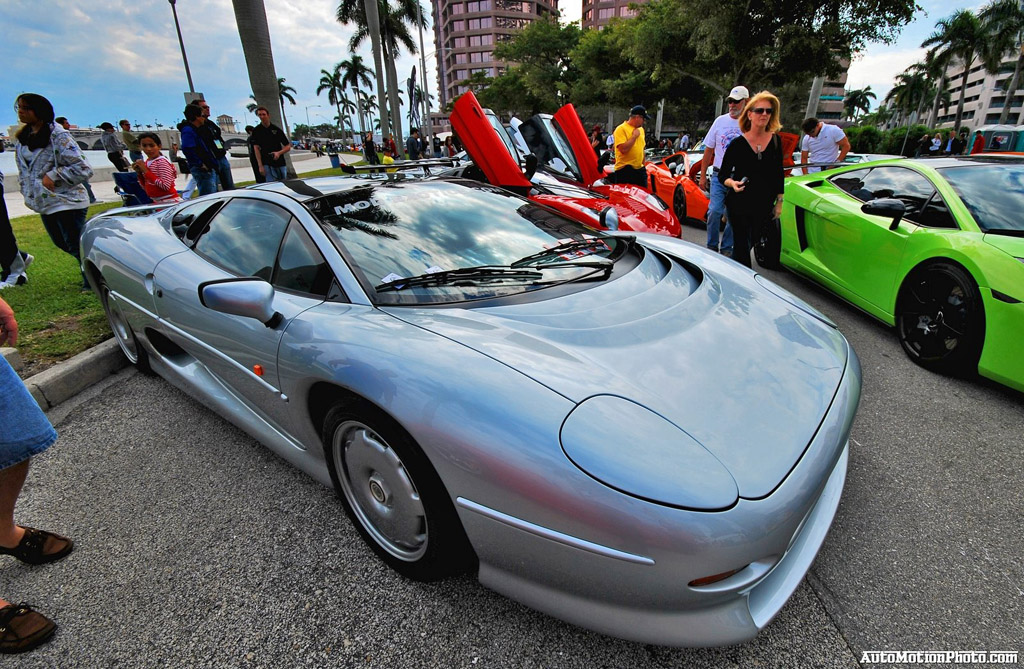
335, 162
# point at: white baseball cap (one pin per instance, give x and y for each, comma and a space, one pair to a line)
739, 93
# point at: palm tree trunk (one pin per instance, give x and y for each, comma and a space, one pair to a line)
963, 92
934, 116
373, 27
254, 33
1012, 88
393, 102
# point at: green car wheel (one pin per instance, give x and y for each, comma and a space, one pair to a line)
940, 319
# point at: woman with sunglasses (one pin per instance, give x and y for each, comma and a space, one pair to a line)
752, 172
51, 169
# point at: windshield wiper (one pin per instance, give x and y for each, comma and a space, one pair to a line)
465, 276
534, 259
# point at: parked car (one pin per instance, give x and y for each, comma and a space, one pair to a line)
498, 161
560, 142
934, 247
624, 431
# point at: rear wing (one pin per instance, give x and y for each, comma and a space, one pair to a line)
427, 165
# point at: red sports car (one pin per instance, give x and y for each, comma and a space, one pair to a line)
498, 161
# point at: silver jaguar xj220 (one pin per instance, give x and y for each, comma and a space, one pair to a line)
623, 431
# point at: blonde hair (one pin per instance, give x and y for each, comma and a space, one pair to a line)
774, 125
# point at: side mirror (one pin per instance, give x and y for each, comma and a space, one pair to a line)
531, 166
610, 218
887, 207
249, 298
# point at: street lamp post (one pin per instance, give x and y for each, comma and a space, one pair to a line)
181, 43
307, 113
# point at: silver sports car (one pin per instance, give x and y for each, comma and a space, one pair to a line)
624, 431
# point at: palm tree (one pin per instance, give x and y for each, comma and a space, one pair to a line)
354, 74
366, 15
251, 18
960, 36
394, 33
331, 82
368, 105
1004, 22
285, 93
858, 100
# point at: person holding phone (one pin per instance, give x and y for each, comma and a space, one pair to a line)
752, 171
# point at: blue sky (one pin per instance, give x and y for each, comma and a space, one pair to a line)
120, 58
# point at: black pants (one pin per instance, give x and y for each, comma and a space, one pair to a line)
8, 244
746, 228
628, 174
118, 160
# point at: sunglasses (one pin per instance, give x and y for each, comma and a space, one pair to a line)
761, 110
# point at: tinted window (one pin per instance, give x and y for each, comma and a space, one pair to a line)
193, 217
994, 194
924, 205
244, 236
300, 267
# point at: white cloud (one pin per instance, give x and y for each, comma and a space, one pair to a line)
879, 69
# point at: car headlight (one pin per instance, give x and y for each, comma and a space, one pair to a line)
781, 292
637, 452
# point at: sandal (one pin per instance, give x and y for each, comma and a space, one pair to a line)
39, 547
23, 629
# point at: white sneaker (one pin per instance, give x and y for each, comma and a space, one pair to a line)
14, 280
28, 259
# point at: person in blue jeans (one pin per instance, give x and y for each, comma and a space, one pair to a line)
202, 164
210, 133
24, 432
725, 129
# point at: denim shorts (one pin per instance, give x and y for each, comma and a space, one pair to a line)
24, 429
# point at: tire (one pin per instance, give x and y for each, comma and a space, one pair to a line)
123, 333
679, 205
768, 245
393, 495
940, 319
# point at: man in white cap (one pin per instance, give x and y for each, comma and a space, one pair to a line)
725, 129
629, 148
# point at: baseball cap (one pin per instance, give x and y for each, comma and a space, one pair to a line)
639, 110
739, 93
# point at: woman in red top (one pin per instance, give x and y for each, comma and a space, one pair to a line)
156, 173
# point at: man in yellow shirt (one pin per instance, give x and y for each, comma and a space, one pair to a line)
629, 148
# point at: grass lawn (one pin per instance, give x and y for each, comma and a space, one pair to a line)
55, 319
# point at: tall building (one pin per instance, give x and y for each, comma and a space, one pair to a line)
985, 96
833, 92
597, 13
465, 33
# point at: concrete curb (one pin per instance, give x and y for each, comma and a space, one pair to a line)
66, 379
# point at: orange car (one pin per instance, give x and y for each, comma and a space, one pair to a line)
561, 142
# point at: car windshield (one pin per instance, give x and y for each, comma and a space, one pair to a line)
473, 235
993, 193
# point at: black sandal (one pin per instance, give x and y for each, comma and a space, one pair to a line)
23, 629
39, 547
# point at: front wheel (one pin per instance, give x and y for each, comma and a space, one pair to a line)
768, 244
941, 320
679, 205
393, 495
123, 332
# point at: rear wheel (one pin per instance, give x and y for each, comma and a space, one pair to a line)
679, 205
123, 332
393, 495
768, 244
940, 319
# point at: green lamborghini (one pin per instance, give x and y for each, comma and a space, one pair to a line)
934, 247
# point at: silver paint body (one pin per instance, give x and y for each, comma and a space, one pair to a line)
722, 409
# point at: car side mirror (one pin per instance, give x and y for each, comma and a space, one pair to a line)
531, 166
888, 207
609, 218
248, 298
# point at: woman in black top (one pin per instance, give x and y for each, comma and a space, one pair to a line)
752, 171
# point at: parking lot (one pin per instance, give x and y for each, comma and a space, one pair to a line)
197, 547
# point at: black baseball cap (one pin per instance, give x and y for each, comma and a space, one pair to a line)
639, 110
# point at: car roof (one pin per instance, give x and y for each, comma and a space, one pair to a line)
307, 189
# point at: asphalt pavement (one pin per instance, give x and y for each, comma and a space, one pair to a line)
195, 546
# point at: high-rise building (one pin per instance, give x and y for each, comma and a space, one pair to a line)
466, 32
985, 97
597, 13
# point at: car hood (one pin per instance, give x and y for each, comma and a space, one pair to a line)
744, 373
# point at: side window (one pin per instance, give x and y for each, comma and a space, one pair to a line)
936, 214
193, 218
300, 266
853, 183
906, 185
244, 237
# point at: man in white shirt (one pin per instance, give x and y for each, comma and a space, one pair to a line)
823, 143
725, 129
684, 142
